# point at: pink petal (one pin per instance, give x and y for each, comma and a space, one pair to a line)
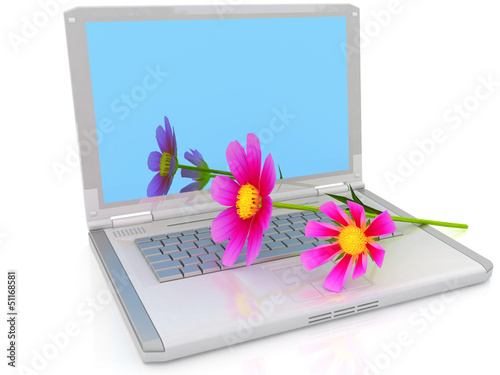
321, 230
334, 212
357, 213
265, 212
376, 252
360, 268
224, 190
268, 177
238, 239
339, 274
253, 159
381, 225
237, 161
224, 224
319, 255
254, 241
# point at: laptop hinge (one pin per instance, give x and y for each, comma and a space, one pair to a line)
99, 224
339, 188
131, 219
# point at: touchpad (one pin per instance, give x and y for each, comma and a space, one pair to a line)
302, 285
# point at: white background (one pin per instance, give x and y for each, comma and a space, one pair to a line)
417, 64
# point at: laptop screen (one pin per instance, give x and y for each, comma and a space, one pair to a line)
283, 79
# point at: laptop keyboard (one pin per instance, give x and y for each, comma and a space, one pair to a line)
192, 252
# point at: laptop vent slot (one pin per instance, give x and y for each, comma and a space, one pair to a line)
367, 306
343, 312
128, 232
320, 318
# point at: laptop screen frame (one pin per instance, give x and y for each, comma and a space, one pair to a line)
99, 212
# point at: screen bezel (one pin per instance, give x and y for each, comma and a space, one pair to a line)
75, 20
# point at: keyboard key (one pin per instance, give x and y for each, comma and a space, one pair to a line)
203, 230
204, 236
283, 216
171, 241
188, 232
214, 248
150, 252
179, 255
174, 234
294, 234
284, 228
150, 245
166, 265
190, 238
281, 222
306, 239
159, 237
219, 254
296, 214
298, 226
143, 239
187, 246
279, 237
168, 275
295, 220
204, 243
208, 258
158, 258
270, 231
209, 267
275, 245
267, 239
197, 252
190, 271
190, 261
169, 249
291, 242
309, 216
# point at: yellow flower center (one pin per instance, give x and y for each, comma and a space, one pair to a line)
352, 240
248, 201
165, 164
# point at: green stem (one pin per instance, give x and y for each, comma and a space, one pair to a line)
214, 171
395, 218
215, 175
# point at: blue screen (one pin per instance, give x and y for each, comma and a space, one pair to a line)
284, 79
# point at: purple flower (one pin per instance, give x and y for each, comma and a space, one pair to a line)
200, 178
164, 162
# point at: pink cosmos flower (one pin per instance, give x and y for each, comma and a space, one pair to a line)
353, 240
247, 196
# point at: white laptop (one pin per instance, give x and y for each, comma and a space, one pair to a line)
289, 74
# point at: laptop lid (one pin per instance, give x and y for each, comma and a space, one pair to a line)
288, 73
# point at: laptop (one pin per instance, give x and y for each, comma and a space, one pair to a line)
289, 74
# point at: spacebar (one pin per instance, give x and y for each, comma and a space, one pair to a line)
267, 256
